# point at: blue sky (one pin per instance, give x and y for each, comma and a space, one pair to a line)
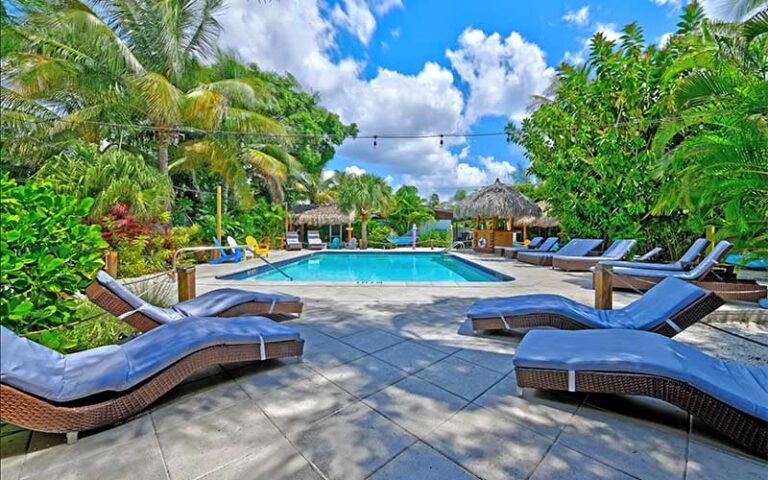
429, 66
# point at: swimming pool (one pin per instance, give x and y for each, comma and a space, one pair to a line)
374, 267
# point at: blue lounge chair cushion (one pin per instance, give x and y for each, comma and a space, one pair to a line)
683, 263
545, 246
741, 386
618, 250
752, 265
208, 304
658, 305
216, 301
698, 272
575, 248
43, 372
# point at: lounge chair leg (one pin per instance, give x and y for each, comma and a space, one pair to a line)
300, 359
71, 438
519, 391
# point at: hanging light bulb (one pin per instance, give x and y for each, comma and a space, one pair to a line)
375, 141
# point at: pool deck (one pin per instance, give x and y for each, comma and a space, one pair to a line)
388, 390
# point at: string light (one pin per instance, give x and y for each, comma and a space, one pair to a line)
181, 130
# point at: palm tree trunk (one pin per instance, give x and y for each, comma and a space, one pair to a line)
162, 152
364, 227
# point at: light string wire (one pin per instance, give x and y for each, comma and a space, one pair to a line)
374, 137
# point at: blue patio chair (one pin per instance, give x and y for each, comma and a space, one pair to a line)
235, 256
668, 308
685, 262
730, 397
44, 390
618, 250
546, 246
575, 248
403, 240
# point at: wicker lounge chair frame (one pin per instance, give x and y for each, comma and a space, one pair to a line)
732, 290
106, 299
683, 319
34, 413
749, 431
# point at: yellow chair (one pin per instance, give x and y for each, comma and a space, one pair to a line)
258, 248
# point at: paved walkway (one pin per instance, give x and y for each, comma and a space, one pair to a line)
388, 390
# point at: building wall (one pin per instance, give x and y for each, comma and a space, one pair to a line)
441, 225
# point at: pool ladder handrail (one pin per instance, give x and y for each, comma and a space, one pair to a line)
454, 244
178, 252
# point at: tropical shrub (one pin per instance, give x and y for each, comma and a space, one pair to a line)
47, 254
408, 208
152, 252
113, 177
439, 238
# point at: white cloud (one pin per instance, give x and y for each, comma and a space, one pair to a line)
382, 7
673, 3
395, 33
502, 73
356, 18
578, 17
299, 37
608, 30
354, 171
663, 40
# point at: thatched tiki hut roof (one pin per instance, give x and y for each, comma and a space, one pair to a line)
497, 200
319, 215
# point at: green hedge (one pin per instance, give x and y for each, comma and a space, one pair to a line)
47, 253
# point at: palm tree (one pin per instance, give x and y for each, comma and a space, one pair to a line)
129, 62
714, 157
315, 189
366, 195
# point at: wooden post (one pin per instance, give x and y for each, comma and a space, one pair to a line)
602, 281
710, 235
110, 263
525, 234
186, 283
215, 253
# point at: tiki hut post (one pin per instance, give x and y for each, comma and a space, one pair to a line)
491, 202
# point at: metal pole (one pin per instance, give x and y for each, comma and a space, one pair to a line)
218, 213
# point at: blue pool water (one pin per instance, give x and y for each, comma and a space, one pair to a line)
375, 267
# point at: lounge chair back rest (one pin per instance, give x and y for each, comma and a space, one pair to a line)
157, 314
694, 251
717, 254
579, 247
619, 249
535, 242
313, 234
232, 244
649, 255
665, 300
548, 244
291, 237
29, 366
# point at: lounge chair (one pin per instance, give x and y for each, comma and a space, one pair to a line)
260, 249
757, 264
683, 263
730, 397
43, 390
642, 279
110, 295
233, 245
534, 243
235, 256
546, 246
575, 248
352, 244
404, 240
668, 308
292, 241
649, 255
618, 250
313, 240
